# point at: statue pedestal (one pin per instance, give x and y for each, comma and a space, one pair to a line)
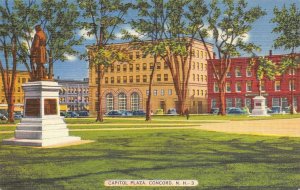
259, 106
42, 124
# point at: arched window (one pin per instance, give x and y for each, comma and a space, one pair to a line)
109, 102
135, 100
122, 101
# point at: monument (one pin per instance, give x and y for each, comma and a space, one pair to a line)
42, 124
259, 106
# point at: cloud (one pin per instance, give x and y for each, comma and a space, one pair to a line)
245, 37
83, 32
129, 30
70, 57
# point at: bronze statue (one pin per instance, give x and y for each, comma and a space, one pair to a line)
38, 54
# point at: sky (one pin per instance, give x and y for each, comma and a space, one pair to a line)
261, 34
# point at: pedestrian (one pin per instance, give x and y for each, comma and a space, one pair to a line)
187, 113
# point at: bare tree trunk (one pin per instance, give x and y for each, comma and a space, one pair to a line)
10, 108
292, 94
222, 110
50, 71
148, 103
259, 87
99, 89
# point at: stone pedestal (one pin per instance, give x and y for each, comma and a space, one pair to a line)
259, 106
42, 124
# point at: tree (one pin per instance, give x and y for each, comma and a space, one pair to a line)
288, 28
228, 22
102, 17
9, 31
264, 68
59, 20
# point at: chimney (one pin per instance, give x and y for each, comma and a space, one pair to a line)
270, 52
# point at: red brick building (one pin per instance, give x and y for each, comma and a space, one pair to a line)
242, 86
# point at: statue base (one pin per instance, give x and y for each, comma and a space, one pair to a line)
42, 124
259, 107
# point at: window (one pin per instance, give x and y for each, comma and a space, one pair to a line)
238, 72
165, 77
144, 78
118, 79
238, 102
238, 87
194, 65
249, 72
275, 102
206, 78
137, 67
201, 66
158, 66
201, 54
198, 53
202, 92
229, 102
131, 79
135, 99
162, 92
130, 67
122, 101
193, 77
137, 55
198, 66
118, 68
112, 68
19, 89
277, 85
170, 92
291, 71
147, 92
158, 77
106, 80
23, 80
249, 86
198, 92
248, 103
284, 102
151, 66
228, 87
144, 55
213, 103
112, 80
106, 69
124, 68
262, 86
193, 53
194, 92
155, 92
131, 55
205, 66
109, 102
138, 78
166, 66
124, 79
292, 85
201, 78
216, 87
228, 74
144, 66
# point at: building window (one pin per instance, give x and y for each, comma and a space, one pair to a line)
144, 55
158, 66
213, 103
118, 79
147, 92
19, 89
124, 68
277, 85
291, 71
202, 92
106, 69
137, 55
135, 99
238, 102
198, 78
238, 87
249, 72
112, 80
170, 92
144, 66
118, 68
122, 101
216, 87
193, 77
130, 67
201, 78
137, 67
109, 102
151, 66
228, 74
144, 78
158, 77
124, 79
138, 78
162, 92
205, 78
228, 87
194, 92
131, 79
201, 54
201, 66
198, 92
194, 65
249, 86
263, 86
166, 66
248, 103
275, 102
112, 68
238, 72
229, 102
284, 103
292, 85
155, 92
198, 66
166, 77
198, 53
131, 55
106, 80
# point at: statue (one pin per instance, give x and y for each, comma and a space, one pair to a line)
38, 53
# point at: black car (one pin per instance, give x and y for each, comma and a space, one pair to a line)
214, 111
138, 113
114, 113
83, 114
236, 111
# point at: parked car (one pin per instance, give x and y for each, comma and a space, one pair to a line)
3, 117
276, 110
138, 113
72, 114
237, 111
228, 109
172, 111
83, 114
214, 111
114, 113
126, 113
64, 114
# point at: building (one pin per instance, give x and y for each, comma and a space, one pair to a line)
74, 95
125, 86
21, 77
242, 86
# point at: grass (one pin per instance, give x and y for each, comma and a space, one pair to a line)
216, 160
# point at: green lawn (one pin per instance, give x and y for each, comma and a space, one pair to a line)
216, 160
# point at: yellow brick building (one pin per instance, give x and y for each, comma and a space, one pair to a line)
125, 86
22, 77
